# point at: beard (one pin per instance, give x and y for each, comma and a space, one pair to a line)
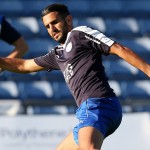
62, 39
64, 32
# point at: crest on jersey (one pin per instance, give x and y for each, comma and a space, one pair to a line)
69, 47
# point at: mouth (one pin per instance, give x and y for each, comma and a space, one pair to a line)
55, 35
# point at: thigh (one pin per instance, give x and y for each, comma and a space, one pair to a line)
90, 138
68, 143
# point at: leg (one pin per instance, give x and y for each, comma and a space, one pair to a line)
68, 143
90, 138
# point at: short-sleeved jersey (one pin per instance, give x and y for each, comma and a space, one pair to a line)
8, 33
80, 60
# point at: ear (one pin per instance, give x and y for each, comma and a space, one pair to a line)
69, 20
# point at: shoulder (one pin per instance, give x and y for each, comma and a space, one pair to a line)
78, 31
82, 28
88, 32
85, 29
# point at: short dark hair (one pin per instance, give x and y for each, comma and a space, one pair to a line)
60, 8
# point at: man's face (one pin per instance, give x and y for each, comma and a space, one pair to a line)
56, 26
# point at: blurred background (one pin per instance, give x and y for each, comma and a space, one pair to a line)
43, 93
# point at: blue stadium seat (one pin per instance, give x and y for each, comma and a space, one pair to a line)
95, 8
102, 8
144, 25
17, 77
8, 90
3, 76
94, 22
115, 85
80, 7
5, 48
27, 26
138, 9
137, 90
62, 92
120, 70
15, 9
35, 91
43, 31
39, 47
50, 110
122, 27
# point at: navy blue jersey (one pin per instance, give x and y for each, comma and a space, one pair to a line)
80, 60
7, 32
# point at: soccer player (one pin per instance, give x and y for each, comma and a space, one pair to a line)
79, 58
11, 36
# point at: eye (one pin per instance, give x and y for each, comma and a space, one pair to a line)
47, 26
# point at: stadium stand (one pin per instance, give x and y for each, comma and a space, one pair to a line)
5, 48
144, 25
39, 47
28, 26
125, 21
121, 70
127, 27
35, 90
11, 76
9, 90
137, 90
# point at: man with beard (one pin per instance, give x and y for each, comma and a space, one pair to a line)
79, 58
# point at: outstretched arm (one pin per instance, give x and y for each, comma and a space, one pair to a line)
19, 65
129, 56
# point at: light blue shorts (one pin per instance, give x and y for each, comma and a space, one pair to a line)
104, 114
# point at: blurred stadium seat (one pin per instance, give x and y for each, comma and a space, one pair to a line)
94, 22
35, 90
137, 90
62, 93
49, 110
9, 90
136, 8
127, 27
39, 47
5, 48
121, 70
27, 26
144, 25
17, 77
16, 10
117, 88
